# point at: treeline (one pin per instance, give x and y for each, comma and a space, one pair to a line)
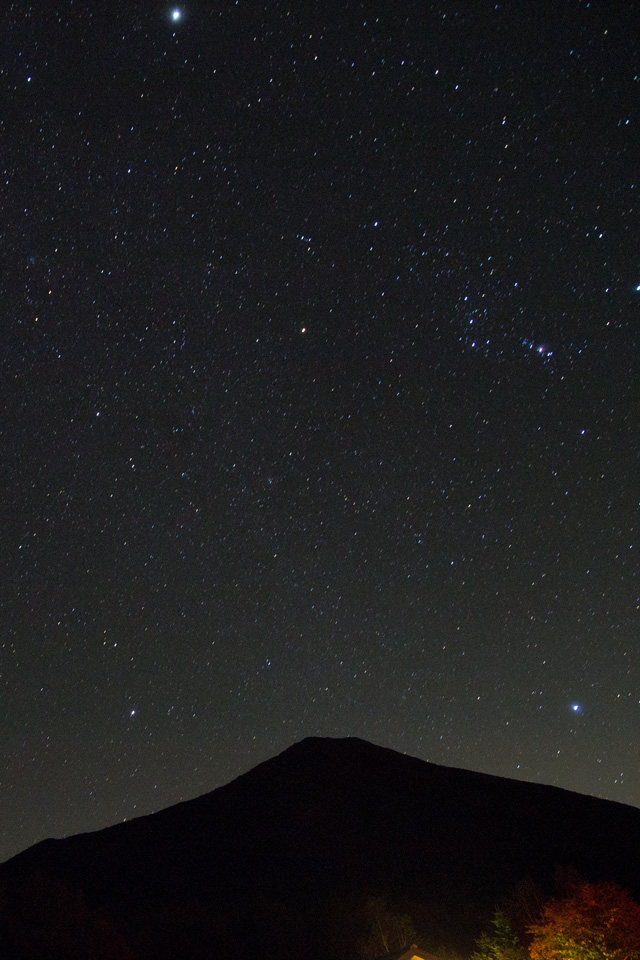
44, 917
591, 921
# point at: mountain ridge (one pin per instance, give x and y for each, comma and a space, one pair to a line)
343, 818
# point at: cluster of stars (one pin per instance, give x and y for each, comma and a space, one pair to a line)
322, 410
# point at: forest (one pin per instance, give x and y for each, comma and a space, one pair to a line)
583, 921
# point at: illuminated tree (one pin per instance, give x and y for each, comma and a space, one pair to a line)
596, 922
503, 944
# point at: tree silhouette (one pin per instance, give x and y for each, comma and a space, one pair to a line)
49, 919
386, 929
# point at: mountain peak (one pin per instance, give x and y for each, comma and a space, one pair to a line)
343, 818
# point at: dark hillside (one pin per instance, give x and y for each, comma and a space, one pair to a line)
337, 820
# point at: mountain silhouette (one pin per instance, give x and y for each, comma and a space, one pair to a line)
281, 859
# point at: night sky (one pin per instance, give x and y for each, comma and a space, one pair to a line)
320, 394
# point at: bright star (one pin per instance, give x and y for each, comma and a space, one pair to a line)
176, 14
575, 707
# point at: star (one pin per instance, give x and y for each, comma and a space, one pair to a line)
337, 345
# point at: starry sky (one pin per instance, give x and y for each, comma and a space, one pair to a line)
320, 394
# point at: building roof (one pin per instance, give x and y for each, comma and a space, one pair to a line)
410, 953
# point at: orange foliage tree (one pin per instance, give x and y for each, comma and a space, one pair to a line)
597, 921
